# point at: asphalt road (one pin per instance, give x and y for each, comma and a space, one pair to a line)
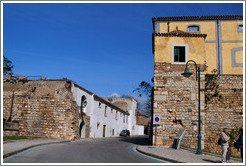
100, 150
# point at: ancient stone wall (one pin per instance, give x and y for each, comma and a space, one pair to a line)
176, 100
42, 108
142, 119
224, 109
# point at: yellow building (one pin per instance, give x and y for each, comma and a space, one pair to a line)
222, 48
215, 43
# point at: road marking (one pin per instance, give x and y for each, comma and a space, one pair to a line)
140, 154
22, 154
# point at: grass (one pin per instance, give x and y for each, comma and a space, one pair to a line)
7, 138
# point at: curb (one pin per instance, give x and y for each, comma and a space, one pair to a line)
29, 147
159, 157
206, 153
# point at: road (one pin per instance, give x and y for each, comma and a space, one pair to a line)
99, 150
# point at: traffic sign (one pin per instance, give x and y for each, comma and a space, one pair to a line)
157, 119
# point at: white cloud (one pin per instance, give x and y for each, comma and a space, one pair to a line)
115, 95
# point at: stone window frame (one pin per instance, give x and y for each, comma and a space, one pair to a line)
233, 57
186, 54
194, 25
238, 28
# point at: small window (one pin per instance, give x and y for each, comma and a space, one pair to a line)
98, 124
112, 110
193, 28
99, 105
105, 111
179, 54
116, 115
240, 28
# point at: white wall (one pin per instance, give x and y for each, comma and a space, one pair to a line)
132, 126
97, 115
131, 108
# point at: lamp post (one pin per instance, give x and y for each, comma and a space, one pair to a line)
187, 73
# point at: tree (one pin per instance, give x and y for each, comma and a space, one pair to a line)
8, 66
145, 89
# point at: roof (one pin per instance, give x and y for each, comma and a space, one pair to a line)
101, 99
196, 18
179, 33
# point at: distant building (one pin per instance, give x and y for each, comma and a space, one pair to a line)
106, 119
135, 126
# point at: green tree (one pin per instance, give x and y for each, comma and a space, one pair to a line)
8, 66
145, 89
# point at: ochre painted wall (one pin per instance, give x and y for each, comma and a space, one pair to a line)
227, 58
163, 48
211, 57
207, 27
229, 32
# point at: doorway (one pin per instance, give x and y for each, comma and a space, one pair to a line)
104, 130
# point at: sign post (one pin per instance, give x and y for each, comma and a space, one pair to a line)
156, 122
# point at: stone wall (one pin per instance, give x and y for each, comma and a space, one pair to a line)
176, 100
223, 110
42, 108
142, 119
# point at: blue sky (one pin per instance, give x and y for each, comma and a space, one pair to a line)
106, 48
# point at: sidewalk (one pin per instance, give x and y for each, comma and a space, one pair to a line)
181, 156
16, 146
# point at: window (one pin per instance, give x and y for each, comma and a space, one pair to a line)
112, 110
240, 28
98, 124
179, 54
124, 119
105, 111
116, 115
99, 105
193, 28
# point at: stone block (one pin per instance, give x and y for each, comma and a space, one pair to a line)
160, 98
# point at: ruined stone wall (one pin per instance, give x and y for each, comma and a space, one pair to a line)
176, 100
42, 108
223, 110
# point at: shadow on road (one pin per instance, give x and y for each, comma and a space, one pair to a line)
137, 140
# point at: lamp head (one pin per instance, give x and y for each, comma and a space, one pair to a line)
187, 72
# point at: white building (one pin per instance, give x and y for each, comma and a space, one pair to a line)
129, 105
106, 119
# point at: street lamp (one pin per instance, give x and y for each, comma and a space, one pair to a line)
187, 73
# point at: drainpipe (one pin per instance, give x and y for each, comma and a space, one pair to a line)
218, 47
